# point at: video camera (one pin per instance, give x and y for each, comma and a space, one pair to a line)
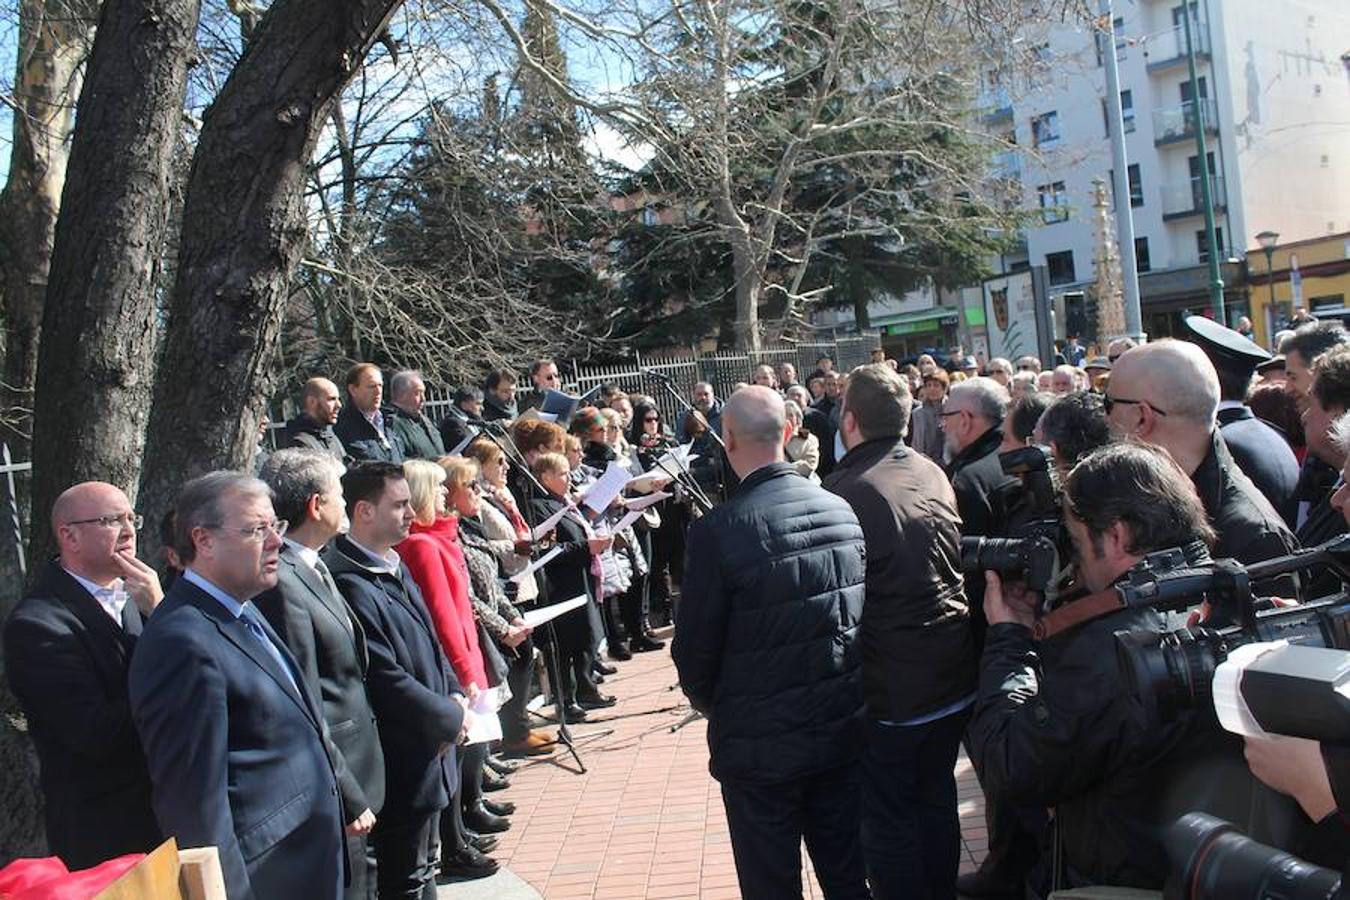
1036, 542
1176, 671
1211, 859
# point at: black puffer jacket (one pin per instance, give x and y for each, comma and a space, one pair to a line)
766, 643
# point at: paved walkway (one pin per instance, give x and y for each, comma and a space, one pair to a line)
646, 819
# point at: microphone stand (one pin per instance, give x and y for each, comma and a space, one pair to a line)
552, 659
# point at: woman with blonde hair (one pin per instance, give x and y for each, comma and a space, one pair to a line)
435, 559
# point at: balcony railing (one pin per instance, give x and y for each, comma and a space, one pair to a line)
1168, 48
1174, 123
1183, 199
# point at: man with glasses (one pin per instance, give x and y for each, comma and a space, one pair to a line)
1167, 393
1000, 370
544, 376
68, 645
236, 744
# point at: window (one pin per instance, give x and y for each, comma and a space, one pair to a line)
1185, 88
1045, 129
1176, 14
1126, 112
1136, 185
1202, 244
1141, 260
1059, 267
1118, 26
1054, 202
650, 216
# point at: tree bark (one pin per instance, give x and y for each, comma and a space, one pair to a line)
242, 237
97, 356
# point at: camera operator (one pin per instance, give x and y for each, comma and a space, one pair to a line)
1167, 393
1073, 427
1055, 723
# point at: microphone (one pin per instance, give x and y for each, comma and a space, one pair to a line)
659, 376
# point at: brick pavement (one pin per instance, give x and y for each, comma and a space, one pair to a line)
646, 819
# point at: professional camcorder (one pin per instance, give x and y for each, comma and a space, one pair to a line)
1212, 860
1176, 671
1037, 543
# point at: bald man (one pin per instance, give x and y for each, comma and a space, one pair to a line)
1167, 393
766, 645
67, 649
313, 428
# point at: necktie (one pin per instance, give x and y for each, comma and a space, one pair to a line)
249, 618
327, 578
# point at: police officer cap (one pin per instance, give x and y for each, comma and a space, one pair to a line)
1225, 347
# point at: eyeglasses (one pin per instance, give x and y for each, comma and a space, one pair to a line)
135, 521
652, 419
1108, 401
258, 532
1026, 368
952, 412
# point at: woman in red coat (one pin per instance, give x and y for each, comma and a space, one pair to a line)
435, 559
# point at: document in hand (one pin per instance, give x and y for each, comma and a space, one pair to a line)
536, 617
541, 530
486, 725
635, 508
536, 565
602, 493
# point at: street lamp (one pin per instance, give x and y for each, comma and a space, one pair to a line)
1268, 240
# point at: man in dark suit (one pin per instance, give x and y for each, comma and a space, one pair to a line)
236, 744
362, 425
313, 621
67, 648
1261, 452
419, 705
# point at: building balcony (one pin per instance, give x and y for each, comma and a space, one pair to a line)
1185, 199
1175, 124
1167, 49
998, 105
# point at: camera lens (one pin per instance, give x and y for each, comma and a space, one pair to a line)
1215, 861
1171, 672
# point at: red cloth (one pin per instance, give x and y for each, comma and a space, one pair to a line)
48, 878
435, 559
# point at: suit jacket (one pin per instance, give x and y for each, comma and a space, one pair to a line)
329, 645
1265, 457
66, 660
421, 439
237, 754
567, 575
410, 683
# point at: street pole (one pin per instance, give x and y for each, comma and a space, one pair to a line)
1197, 122
1270, 274
1129, 268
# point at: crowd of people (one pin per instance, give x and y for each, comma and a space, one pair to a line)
336, 666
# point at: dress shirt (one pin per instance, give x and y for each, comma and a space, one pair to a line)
389, 562
112, 598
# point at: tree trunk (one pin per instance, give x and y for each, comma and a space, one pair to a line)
243, 234
97, 357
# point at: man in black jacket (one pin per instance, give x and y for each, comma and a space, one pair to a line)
464, 420
419, 705
361, 424
313, 428
1056, 722
1327, 401
326, 639
1167, 393
766, 646
420, 438
1260, 451
499, 396
544, 377
918, 652
972, 422
68, 646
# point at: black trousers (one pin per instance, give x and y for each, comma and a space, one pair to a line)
470, 793
635, 604
363, 868
519, 675
768, 823
911, 835
409, 854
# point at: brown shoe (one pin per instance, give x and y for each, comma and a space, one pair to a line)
536, 743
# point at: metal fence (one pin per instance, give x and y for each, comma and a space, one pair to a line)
723, 369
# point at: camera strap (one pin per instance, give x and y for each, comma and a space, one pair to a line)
1071, 615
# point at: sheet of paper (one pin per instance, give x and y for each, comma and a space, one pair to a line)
640, 503
535, 565
543, 528
533, 413
648, 482
607, 487
486, 724
536, 617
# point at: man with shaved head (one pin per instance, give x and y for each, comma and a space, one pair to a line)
313, 428
68, 646
766, 646
1167, 393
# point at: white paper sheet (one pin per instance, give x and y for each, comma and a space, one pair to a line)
486, 725
536, 617
607, 487
543, 528
535, 565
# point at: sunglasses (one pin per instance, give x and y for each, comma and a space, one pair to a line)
1108, 402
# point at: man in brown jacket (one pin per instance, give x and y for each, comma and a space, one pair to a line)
919, 661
